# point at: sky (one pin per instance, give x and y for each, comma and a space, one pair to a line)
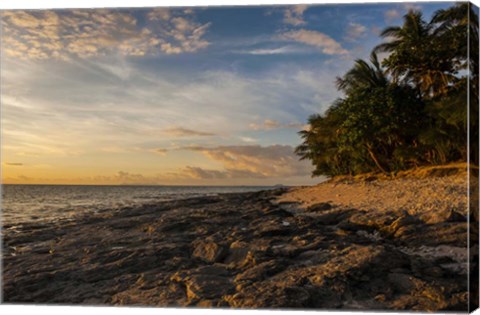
175, 96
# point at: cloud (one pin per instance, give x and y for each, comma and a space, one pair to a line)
118, 178
269, 124
252, 164
376, 30
256, 161
200, 173
98, 32
294, 15
14, 164
248, 139
160, 151
66, 111
159, 14
273, 51
317, 39
126, 177
391, 15
355, 31
182, 132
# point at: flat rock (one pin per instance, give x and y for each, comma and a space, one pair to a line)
205, 252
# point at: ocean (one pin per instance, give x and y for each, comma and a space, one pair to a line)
31, 203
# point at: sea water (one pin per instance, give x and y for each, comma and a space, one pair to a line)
30, 203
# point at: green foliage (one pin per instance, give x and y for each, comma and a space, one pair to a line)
407, 111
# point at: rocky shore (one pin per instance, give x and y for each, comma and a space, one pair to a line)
285, 248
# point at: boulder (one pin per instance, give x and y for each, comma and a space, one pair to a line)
402, 222
209, 252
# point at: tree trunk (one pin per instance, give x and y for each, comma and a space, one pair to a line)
375, 160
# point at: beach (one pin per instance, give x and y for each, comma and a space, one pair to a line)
348, 243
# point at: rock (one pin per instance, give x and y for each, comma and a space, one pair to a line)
322, 206
205, 304
236, 256
334, 217
241, 255
456, 217
272, 229
287, 250
271, 296
206, 253
249, 261
261, 271
277, 212
209, 252
212, 270
204, 287
401, 282
401, 223
406, 230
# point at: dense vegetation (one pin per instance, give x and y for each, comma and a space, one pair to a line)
410, 109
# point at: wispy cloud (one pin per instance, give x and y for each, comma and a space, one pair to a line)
201, 173
88, 102
109, 114
270, 124
256, 161
391, 15
13, 164
355, 31
294, 15
247, 163
325, 43
183, 132
160, 151
119, 178
248, 139
85, 33
273, 51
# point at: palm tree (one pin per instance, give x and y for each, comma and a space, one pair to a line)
320, 143
459, 16
457, 29
413, 57
458, 26
408, 110
363, 75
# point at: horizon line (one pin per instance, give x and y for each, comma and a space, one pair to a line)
145, 185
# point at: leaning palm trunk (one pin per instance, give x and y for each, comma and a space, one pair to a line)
375, 159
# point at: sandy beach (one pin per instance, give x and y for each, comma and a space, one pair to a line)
364, 243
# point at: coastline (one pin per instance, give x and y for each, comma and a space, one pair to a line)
282, 248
